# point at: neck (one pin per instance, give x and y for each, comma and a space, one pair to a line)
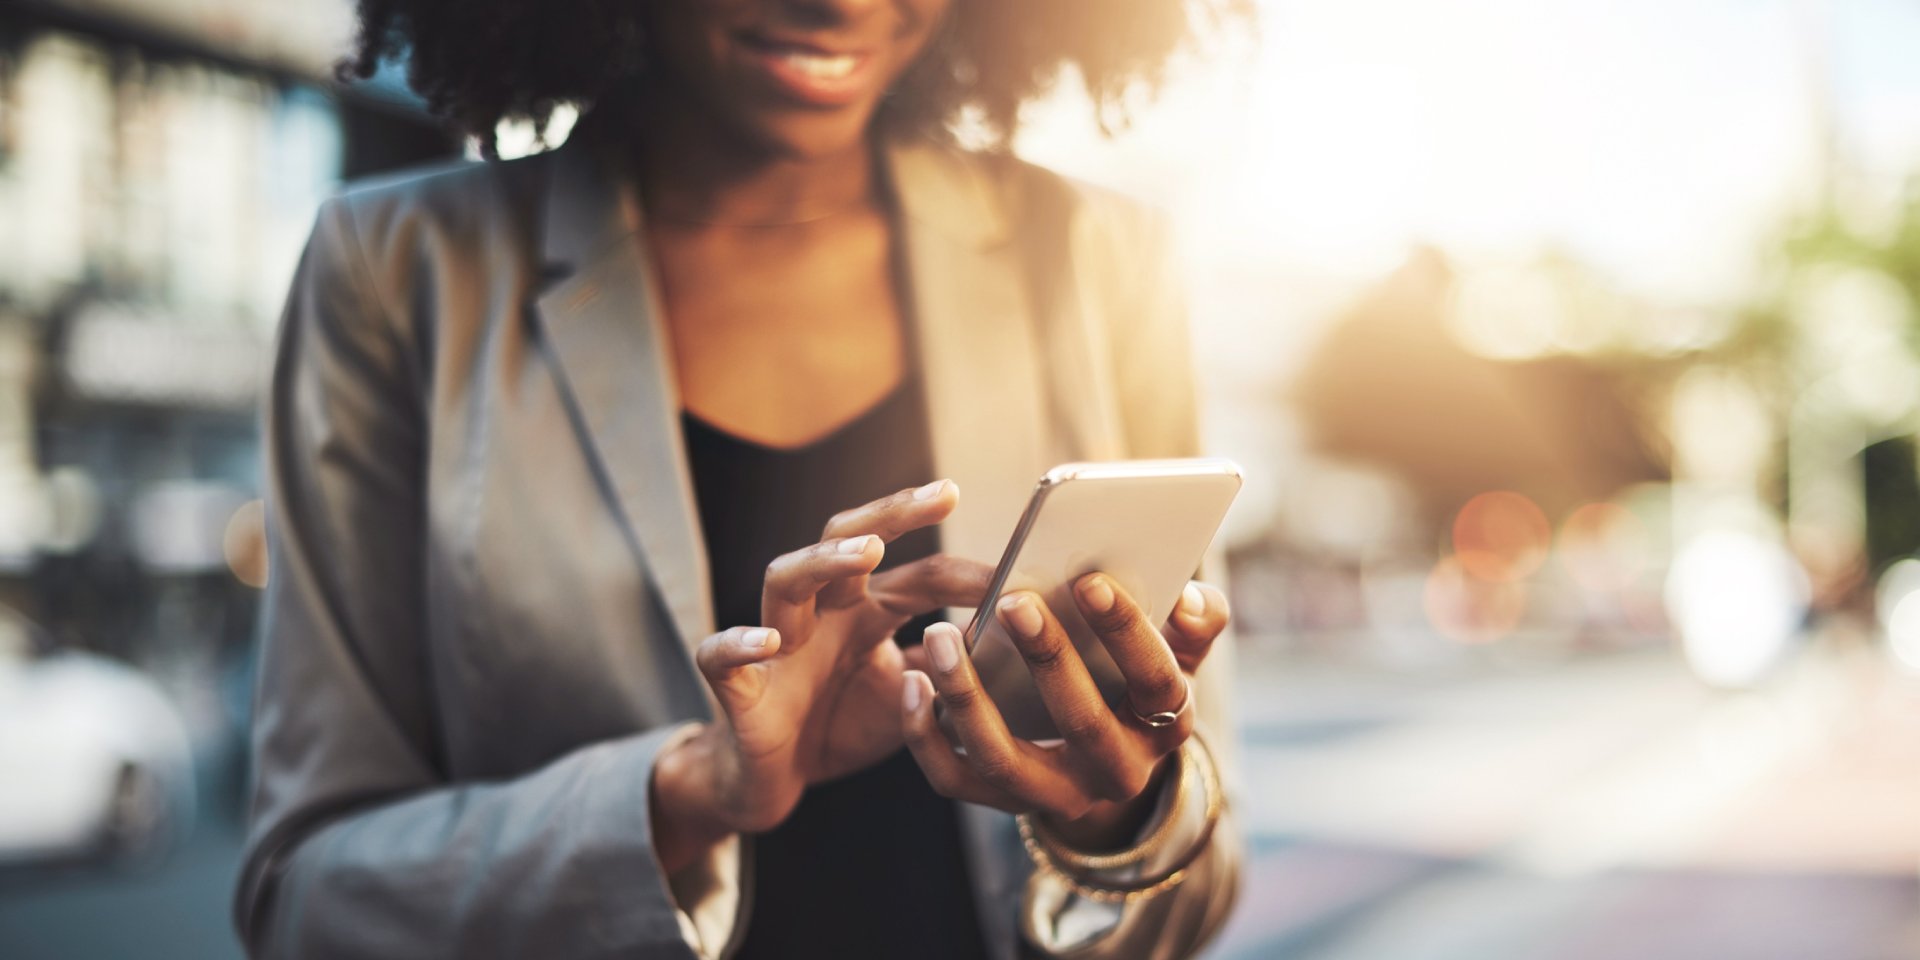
692, 171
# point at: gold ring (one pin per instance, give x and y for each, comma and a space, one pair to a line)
1165, 718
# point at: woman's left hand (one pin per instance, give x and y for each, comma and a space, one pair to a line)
1093, 789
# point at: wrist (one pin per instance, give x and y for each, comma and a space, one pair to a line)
683, 799
1113, 825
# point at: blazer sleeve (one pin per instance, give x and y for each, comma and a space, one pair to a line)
1151, 363
358, 845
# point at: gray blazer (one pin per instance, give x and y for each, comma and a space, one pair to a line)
487, 569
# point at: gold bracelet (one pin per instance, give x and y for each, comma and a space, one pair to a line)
1127, 892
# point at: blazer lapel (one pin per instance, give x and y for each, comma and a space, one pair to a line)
600, 322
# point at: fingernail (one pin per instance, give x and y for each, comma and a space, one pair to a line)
756, 639
855, 544
1193, 603
1022, 615
943, 645
910, 691
1098, 594
930, 491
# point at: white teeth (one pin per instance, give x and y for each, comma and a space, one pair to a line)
823, 67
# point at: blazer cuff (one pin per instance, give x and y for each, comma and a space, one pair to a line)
706, 893
1059, 919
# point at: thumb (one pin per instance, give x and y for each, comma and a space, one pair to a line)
734, 664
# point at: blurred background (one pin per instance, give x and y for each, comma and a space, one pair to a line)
1572, 347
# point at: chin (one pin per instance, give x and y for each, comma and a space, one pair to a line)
801, 135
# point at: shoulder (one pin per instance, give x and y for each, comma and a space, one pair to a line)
437, 204
385, 250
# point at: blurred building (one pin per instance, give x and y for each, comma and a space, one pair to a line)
160, 166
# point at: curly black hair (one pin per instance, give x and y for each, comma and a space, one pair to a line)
477, 62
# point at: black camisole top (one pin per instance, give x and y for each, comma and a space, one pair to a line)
869, 865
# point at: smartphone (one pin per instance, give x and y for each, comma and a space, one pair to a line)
1146, 523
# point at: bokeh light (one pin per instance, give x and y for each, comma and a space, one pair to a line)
1897, 602
1604, 547
1501, 536
1737, 599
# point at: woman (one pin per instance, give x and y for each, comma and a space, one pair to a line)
528, 447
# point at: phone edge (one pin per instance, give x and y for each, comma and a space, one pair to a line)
1004, 569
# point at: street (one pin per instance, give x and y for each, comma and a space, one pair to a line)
1610, 807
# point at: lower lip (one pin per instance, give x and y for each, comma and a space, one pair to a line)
807, 88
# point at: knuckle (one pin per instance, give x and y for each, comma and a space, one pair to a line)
964, 698
1161, 687
1121, 622
1043, 654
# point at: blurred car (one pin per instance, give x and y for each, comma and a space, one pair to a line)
95, 762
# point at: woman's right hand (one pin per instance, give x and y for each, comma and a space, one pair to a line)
813, 693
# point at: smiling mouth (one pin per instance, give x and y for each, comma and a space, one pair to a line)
810, 73
819, 65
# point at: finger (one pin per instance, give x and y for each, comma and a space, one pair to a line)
923, 586
794, 579
733, 662
897, 513
1154, 681
929, 584
1099, 744
888, 518
946, 770
1197, 621
1014, 767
